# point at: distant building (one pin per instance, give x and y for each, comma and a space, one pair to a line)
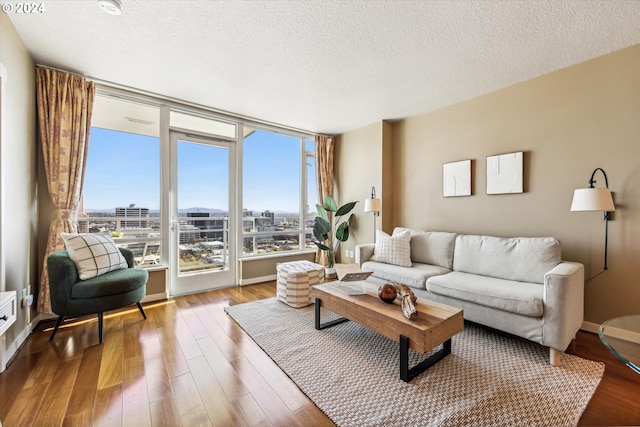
213, 228
133, 217
270, 215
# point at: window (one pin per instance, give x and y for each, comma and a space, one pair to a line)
278, 171
121, 192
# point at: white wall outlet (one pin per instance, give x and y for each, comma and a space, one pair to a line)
25, 292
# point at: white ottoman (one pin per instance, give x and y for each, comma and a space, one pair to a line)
295, 280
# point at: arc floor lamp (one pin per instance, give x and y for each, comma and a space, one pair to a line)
595, 199
373, 205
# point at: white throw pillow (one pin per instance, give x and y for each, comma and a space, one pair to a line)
93, 254
394, 250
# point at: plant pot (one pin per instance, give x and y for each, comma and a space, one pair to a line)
330, 273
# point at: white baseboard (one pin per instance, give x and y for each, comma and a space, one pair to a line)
155, 297
255, 280
590, 327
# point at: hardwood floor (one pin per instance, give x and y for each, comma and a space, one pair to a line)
189, 364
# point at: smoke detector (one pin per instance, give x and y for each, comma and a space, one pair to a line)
112, 7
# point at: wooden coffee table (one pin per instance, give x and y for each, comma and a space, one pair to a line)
436, 323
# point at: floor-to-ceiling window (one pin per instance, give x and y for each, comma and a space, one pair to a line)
163, 179
277, 208
121, 193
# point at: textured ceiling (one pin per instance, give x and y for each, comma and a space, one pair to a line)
325, 66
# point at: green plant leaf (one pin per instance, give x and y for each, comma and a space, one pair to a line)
342, 233
322, 225
317, 233
346, 208
322, 213
321, 246
321, 229
330, 204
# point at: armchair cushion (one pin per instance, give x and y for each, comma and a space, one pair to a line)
93, 254
114, 283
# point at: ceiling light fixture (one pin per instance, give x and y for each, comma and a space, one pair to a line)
112, 7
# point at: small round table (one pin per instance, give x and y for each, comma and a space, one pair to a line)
622, 337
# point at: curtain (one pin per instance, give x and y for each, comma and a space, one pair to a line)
65, 102
324, 177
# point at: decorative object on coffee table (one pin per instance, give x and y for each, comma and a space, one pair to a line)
387, 293
408, 300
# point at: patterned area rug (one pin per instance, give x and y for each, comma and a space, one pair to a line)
351, 374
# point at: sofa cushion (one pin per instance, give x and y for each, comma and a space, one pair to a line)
431, 247
393, 249
525, 259
506, 295
414, 277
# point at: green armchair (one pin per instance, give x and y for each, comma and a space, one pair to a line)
71, 296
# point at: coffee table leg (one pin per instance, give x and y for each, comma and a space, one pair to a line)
326, 324
406, 373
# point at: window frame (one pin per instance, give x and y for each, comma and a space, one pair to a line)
166, 105
304, 229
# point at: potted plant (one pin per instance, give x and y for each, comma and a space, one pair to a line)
322, 229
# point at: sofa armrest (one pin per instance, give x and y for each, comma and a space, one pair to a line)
364, 253
563, 299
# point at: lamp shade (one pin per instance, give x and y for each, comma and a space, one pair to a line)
372, 205
592, 199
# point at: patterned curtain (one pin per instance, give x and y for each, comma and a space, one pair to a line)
324, 177
65, 102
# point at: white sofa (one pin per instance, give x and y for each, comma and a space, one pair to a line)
517, 285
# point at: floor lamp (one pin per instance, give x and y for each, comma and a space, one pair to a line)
595, 199
373, 205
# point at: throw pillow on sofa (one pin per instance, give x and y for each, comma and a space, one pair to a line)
431, 247
394, 250
93, 254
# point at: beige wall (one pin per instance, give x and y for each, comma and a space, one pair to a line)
358, 167
18, 172
364, 158
568, 123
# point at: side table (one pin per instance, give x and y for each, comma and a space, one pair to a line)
622, 337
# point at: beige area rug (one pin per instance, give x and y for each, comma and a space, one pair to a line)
352, 374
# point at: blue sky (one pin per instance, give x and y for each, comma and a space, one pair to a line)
124, 168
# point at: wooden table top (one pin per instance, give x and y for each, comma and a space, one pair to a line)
436, 322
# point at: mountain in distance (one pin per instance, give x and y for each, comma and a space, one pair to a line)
215, 212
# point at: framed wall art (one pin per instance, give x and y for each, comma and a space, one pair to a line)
456, 179
504, 173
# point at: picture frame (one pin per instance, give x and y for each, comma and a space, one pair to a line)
504, 173
456, 178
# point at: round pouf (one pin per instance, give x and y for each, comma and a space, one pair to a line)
295, 280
